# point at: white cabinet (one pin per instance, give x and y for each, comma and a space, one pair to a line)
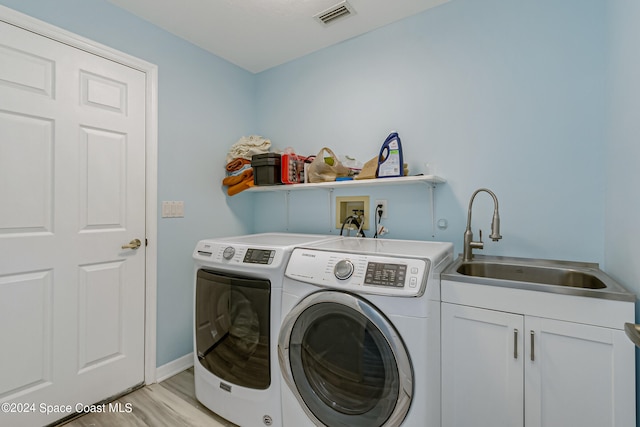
482, 377
575, 375
511, 368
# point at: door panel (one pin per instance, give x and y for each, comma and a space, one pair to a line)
482, 367
102, 179
26, 145
103, 92
72, 182
100, 314
27, 362
29, 72
572, 378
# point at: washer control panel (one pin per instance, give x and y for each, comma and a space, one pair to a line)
385, 274
362, 273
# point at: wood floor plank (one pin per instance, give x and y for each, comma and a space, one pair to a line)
183, 386
167, 404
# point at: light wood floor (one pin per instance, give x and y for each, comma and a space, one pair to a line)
170, 403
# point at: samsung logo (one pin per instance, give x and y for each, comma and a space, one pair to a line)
309, 255
300, 276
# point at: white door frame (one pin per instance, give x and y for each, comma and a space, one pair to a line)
26, 22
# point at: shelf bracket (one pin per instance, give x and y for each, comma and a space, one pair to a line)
432, 208
286, 206
432, 188
331, 208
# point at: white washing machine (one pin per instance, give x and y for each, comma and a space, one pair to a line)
238, 285
359, 343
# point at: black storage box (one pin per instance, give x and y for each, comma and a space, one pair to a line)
266, 169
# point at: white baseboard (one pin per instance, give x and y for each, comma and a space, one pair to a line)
174, 367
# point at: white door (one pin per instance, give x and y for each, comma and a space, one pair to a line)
574, 375
72, 192
482, 367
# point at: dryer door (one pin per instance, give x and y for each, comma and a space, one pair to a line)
345, 362
232, 328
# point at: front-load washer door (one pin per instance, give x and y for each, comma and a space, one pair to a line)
345, 362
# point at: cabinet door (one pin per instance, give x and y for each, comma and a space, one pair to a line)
578, 375
482, 367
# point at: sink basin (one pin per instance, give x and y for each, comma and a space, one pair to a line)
565, 277
533, 274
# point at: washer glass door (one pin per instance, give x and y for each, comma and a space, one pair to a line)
345, 362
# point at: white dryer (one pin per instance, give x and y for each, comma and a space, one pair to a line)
359, 343
238, 285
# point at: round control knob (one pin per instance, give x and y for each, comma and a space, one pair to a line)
343, 269
228, 253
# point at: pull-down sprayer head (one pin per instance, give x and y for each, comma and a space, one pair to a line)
495, 224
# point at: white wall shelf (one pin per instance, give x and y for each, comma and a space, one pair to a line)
334, 185
430, 181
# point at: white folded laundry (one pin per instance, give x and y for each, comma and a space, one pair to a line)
247, 146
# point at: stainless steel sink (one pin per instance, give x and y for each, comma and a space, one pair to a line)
534, 274
575, 278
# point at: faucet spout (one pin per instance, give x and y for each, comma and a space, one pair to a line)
469, 244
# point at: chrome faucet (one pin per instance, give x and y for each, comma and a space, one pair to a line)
469, 244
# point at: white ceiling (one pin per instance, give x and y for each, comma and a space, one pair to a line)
259, 34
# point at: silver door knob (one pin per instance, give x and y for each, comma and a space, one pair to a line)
134, 244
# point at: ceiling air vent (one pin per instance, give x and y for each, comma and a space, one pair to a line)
338, 11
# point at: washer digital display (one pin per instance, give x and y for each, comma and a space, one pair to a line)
385, 274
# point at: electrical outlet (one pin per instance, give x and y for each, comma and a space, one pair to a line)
385, 212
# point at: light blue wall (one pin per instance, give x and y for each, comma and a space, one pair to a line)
494, 93
205, 105
622, 202
530, 99
539, 101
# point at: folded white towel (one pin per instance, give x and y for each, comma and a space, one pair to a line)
247, 146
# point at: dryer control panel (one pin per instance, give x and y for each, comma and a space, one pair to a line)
362, 273
233, 254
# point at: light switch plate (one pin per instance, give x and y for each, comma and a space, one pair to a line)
172, 209
178, 209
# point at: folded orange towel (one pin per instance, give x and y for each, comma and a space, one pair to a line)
237, 164
239, 182
235, 189
237, 179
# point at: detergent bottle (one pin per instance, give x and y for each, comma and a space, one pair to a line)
390, 162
